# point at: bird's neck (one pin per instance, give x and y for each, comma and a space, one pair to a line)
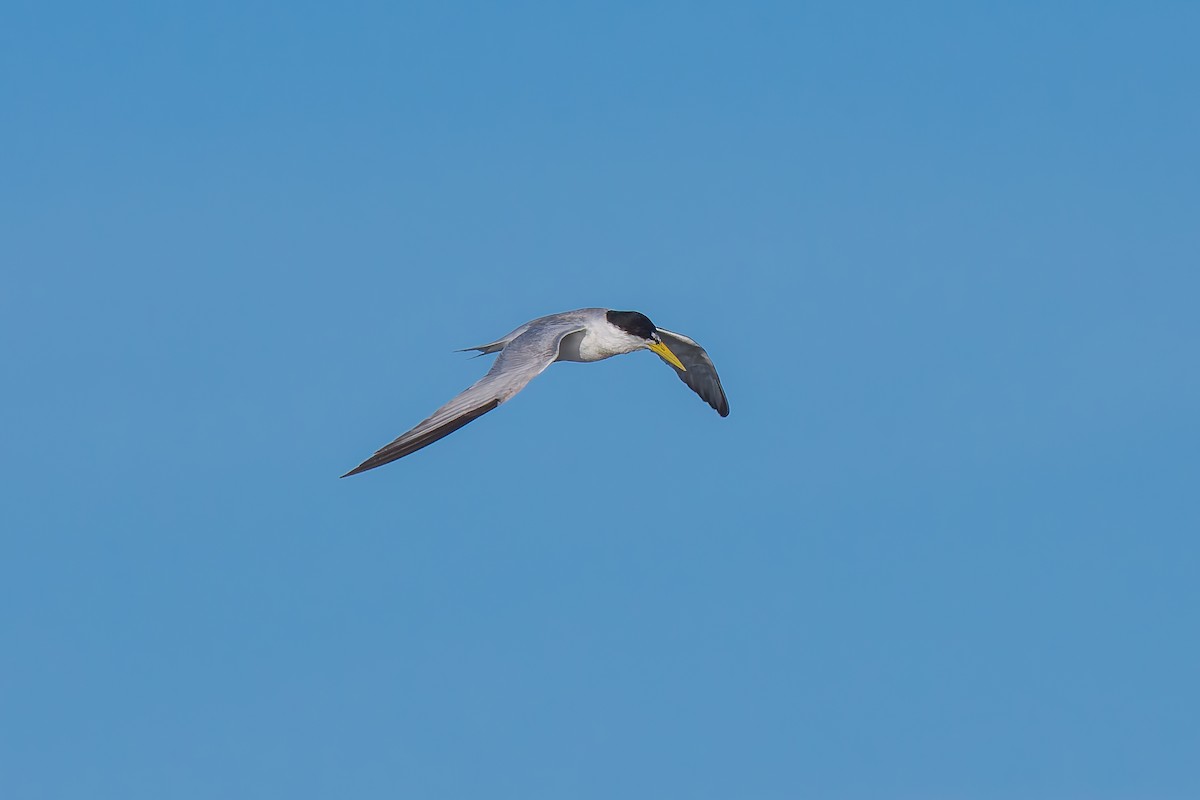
604, 341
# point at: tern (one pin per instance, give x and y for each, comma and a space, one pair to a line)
588, 334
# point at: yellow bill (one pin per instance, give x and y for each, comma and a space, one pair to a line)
666, 355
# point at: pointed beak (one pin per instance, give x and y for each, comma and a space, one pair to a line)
666, 355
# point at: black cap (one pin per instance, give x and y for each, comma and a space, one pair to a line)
633, 322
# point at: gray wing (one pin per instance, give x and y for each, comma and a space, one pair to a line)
522, 360
701, 376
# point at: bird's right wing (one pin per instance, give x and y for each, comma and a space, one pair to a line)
701, 376
522, 360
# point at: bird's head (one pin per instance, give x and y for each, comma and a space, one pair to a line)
638, 325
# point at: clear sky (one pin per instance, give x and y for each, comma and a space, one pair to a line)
946, 257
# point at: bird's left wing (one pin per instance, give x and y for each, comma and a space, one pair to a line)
522, 360
701, 376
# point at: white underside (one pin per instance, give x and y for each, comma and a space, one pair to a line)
597, 342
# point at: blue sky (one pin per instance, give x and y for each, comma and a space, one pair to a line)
945, 257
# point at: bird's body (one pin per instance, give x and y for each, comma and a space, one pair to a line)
588, 334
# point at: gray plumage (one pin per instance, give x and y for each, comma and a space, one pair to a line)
588, 334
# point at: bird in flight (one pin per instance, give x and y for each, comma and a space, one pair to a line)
589, 334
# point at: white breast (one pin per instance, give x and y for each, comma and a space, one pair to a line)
597, 342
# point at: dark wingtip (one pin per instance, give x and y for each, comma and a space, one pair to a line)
391, 452
370, 463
